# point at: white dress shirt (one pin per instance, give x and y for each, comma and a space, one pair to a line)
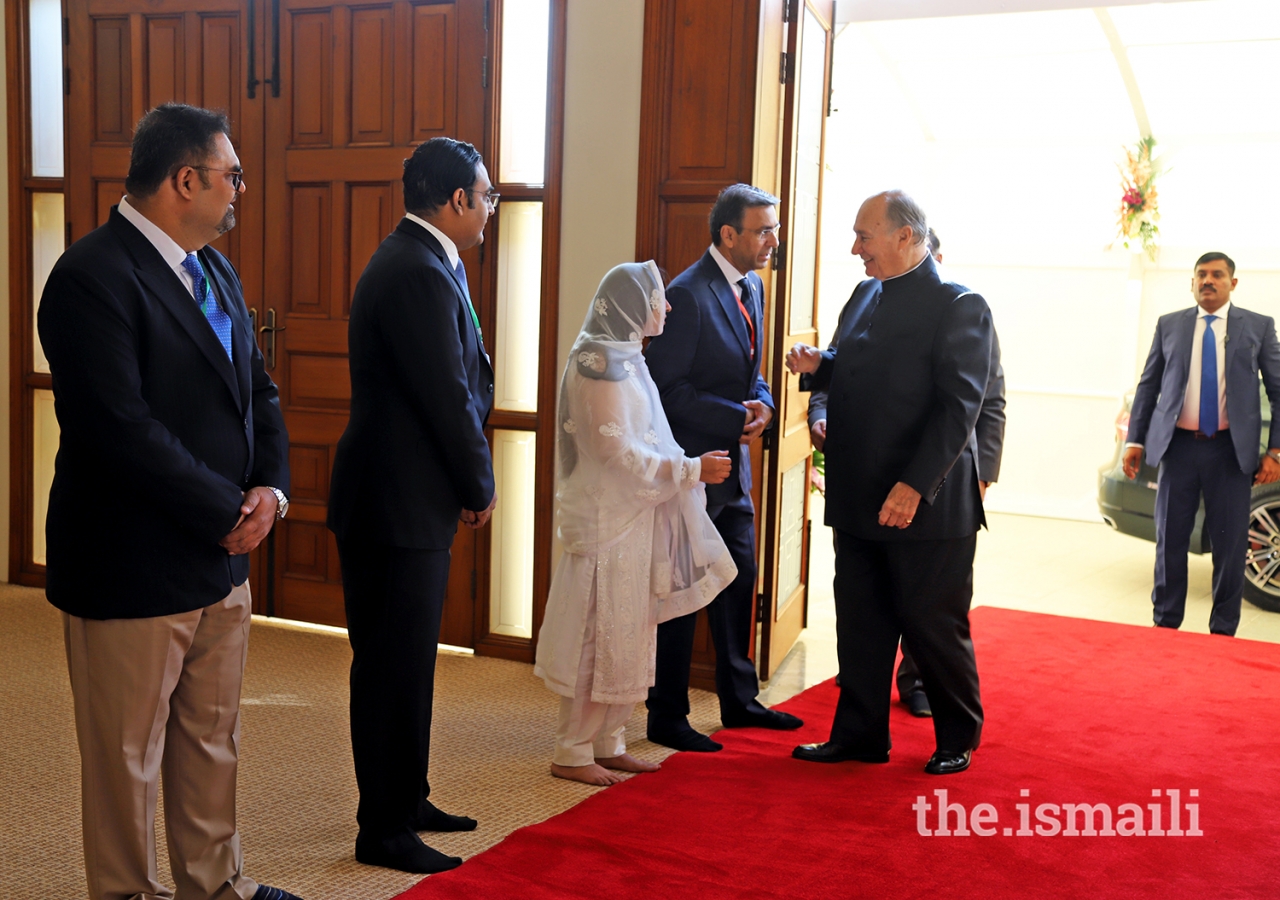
170, 252
731, 273
450, 248
1190, 415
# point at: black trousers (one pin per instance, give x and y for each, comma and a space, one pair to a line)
908, 677
394, 598
917, 591
1189, 469
732, 632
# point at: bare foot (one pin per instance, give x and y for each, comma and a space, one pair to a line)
628, 763
588, 774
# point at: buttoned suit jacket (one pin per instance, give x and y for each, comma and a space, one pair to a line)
704, 370
161, 433
988, 443
1250, 350
904, 397
414, 452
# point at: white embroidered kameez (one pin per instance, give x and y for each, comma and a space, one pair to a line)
631, 515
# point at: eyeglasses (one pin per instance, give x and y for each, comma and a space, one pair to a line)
237, 177
490, 197
763, 233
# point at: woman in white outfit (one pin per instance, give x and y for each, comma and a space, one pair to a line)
639, 548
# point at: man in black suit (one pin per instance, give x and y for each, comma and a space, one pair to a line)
172, 466
906, 384
706, 364
412, 463
989, 434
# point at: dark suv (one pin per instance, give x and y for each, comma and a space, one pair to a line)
1129, 507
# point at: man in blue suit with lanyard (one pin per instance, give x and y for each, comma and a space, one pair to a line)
706, 364
1197, 415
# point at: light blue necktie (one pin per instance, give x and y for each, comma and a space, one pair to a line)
208, 301
1209, 379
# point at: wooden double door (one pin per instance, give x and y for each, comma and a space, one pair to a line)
326, 101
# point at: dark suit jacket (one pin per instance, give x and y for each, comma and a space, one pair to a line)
703, 368
414, 453
988, 433
905, 393
1251, 348
161, 433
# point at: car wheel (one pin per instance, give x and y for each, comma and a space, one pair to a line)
1262, 559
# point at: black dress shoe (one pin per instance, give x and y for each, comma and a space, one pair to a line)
948, 762
432, 819
404, 851
918, 703
831, 752
269, 893
684, 739
767, 718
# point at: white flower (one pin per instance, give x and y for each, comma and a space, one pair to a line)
612, 429
655, 299
633, 336
602, 306
591, 360
651, 437
677, 579
630, 367
650, 494
570, 426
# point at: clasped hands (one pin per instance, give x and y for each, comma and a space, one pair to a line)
758, 418
474, 520
257, 515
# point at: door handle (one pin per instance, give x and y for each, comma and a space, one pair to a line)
253, 321
270, 329
253, 52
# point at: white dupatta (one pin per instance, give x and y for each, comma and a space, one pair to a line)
627, 499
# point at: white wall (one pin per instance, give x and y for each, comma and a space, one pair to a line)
604, 53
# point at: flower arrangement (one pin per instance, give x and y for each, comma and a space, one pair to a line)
1139, 203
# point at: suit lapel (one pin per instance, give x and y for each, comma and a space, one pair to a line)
729, 304
417, 232
1235, 327
173, 295
1183, 340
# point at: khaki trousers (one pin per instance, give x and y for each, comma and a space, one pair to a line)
161, 695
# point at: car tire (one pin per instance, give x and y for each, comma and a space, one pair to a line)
1262, 558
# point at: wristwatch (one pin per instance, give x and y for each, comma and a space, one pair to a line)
1274, 454
282, 502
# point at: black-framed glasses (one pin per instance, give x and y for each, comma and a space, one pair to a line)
237, 177
491, 197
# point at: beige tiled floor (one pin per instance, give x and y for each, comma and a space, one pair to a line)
1056, 566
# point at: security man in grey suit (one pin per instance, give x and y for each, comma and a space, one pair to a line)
990, 447
1197, 415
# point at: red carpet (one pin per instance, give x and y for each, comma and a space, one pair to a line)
1078, 712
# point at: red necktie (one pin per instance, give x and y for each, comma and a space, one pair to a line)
744, 290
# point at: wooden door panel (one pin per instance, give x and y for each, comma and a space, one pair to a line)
361, 84
112, 107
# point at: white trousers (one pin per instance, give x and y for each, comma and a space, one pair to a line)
587, 730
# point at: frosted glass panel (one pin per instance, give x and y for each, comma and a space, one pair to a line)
804, 230
44, 449
794, 486
46, 88
48, 240
523, 123
511, 557
519, 306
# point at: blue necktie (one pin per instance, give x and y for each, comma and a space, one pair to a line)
1209, 379
208, 301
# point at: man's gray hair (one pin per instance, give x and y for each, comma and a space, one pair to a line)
903, 212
